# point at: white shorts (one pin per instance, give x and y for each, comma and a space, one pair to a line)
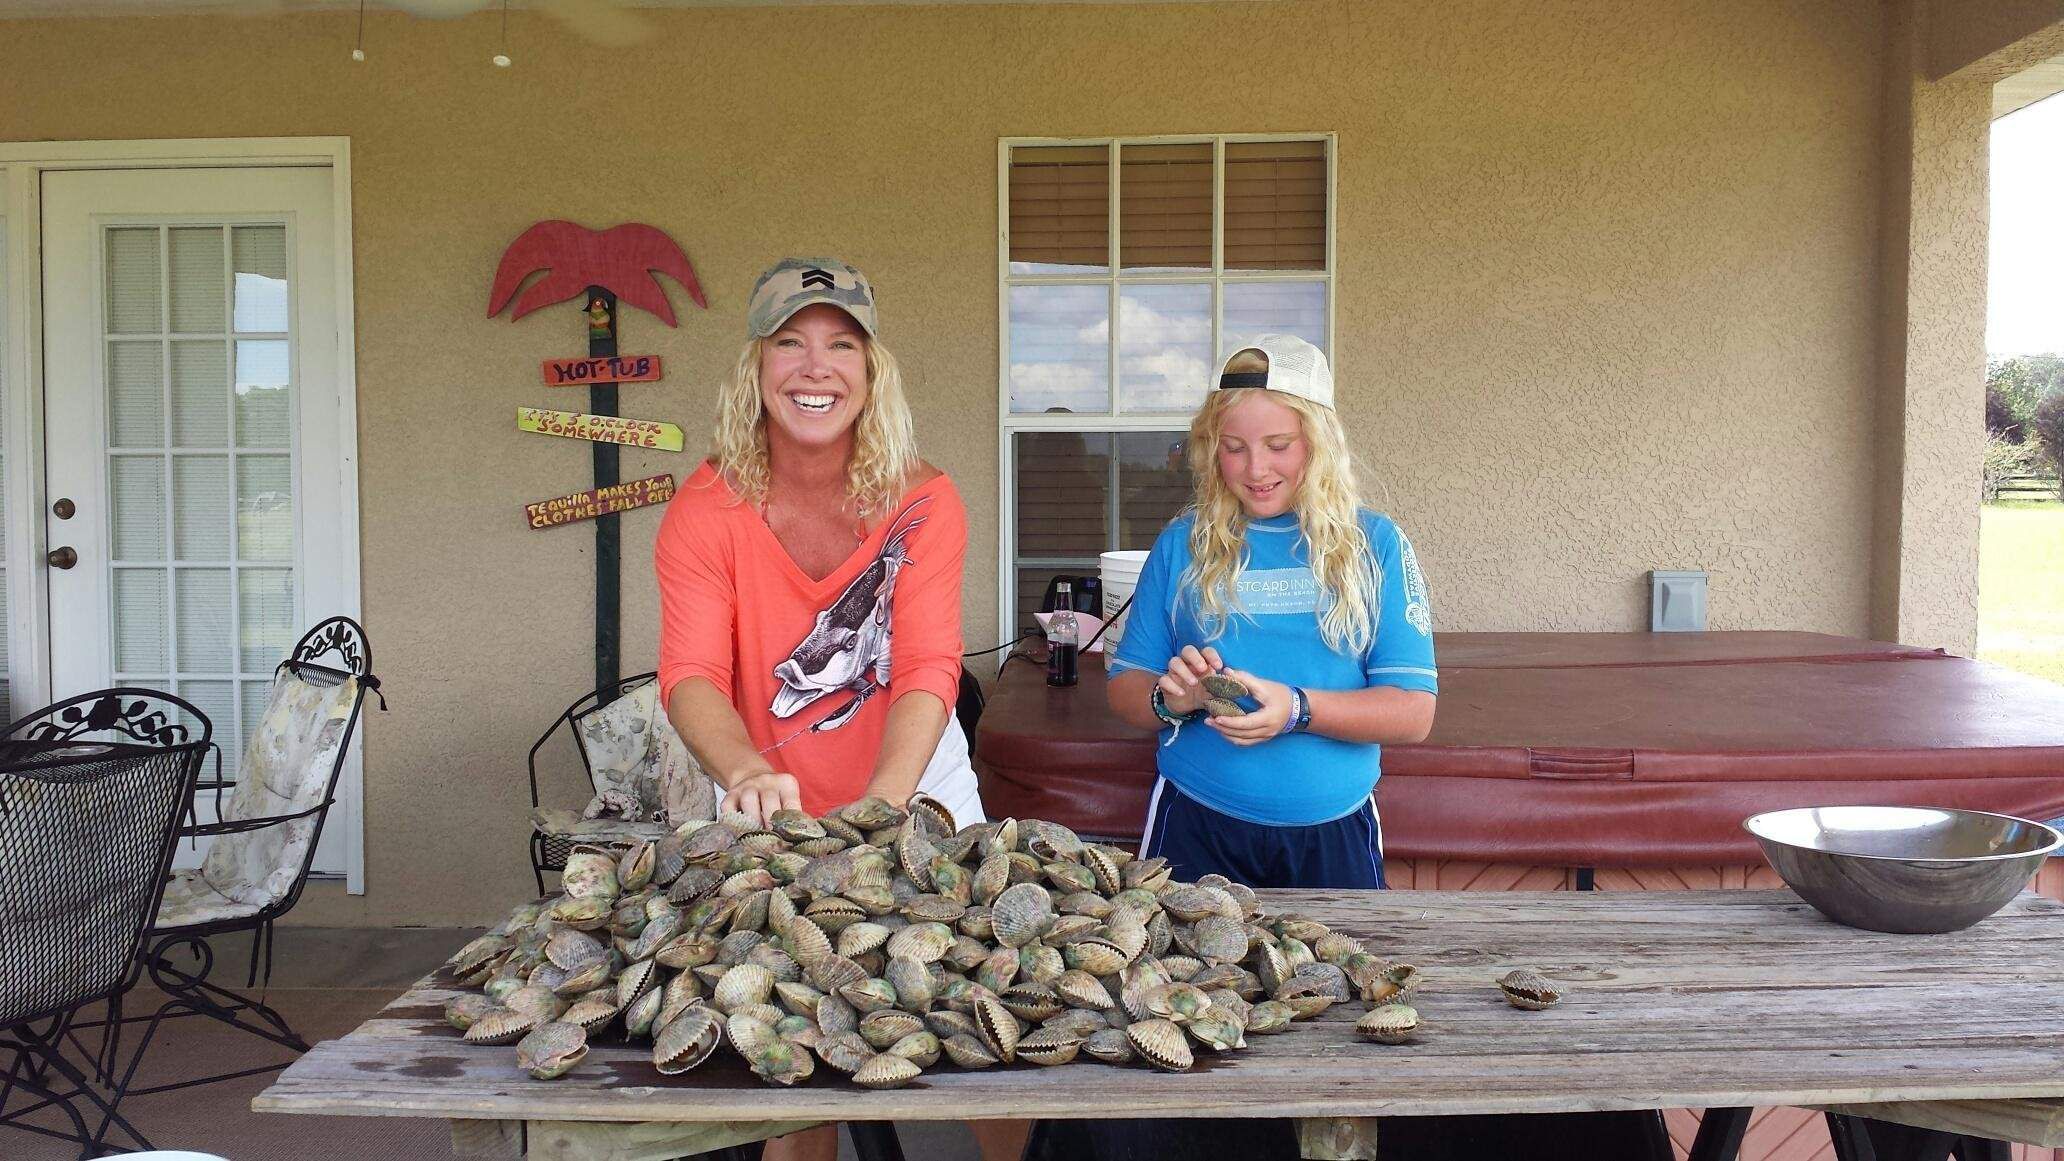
950, 776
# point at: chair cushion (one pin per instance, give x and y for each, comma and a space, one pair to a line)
642, 770
286, 769
567, 824
189, 902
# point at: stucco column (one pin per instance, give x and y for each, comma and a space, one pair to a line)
1930, 435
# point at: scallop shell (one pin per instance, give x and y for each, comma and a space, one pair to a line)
1217, 938
946, 1023
869, 995
640, 1014
912, 981
1049, 1046
1269, 1017
1162, 1044
1388, 1024
1336, 948
581, 914
921, 1048
886, 1071
1112, 1046
1030, 1001
503, 1026
593, 1011
571, 950
1069, 877
834, 972
968, 1051
861, 938
933, 908
794, 825
1150, 874
923, 942
1189, 904
998, 1027
871, 813
1082, 990
748, 983
635, 866
748, 1034
1529, 990
635, 981
799, 998
933, 815
461, 1011
782, 1063
586, 979
1395, 982
551, 1050
589, 874
1103, 868
1217, 1030
883, 1028
1176, 1002
845, 1052
807, 942
479, 955
1334, 980
1021, 914
990, 879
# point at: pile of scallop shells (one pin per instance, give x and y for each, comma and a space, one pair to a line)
877, 941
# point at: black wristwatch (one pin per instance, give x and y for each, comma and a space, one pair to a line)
1161, 710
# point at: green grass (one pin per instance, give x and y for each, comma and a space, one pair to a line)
2021, 586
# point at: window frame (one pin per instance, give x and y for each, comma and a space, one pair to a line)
1116, 421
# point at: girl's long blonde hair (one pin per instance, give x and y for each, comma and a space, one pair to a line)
1327, 503
884, 442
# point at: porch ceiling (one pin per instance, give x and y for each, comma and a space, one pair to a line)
442, 8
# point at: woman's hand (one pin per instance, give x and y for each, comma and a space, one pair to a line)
1182, 687
1265, 722
759, 795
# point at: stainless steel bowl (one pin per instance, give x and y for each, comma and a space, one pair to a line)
1904, 869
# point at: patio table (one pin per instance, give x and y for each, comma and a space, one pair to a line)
1683, 999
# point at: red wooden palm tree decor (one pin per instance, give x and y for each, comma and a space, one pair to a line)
600, 267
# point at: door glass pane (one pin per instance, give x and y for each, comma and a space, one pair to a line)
1060, 342
1164, 207
134, 290
136, 492
200, 393
1032, 584
197, 272
1164, 346
136, 394
1275, 205
1153, 484
261, 393
217, 699
259, 254
1283, 308
265, 606
204, 621
265, 508
1063, 492
1060, 209
200, 508
141, 636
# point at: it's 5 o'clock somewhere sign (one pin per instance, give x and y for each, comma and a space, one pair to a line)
600, 428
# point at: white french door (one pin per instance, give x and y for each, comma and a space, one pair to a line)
192, 506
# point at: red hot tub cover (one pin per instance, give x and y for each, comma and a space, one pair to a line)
1607, 750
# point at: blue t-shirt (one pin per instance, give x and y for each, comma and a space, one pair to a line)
1296, 779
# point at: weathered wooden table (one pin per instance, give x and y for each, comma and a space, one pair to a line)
1687, 999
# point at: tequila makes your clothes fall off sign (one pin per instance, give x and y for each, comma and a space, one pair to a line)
600, 502
600, 428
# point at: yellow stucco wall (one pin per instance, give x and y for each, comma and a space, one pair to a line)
1608, 295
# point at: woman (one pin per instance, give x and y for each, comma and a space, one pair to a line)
809, 578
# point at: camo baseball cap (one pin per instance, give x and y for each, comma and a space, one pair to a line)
1295, 367
794, 283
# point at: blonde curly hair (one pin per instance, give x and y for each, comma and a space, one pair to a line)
884, 441
1328, 507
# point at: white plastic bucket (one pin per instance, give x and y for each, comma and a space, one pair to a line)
1119, 572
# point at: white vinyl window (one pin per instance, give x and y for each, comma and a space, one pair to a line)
1128, 268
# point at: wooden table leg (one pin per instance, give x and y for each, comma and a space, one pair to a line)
1337, 1138
644, 1141
1720, 1133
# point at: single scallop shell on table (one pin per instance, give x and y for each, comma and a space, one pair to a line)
1528, 989
1049, 1046
997, 1026
1270, 1017
845, 1052
593, 1011
1396, 982
887, 1026
503, 1026
551, 1050
1218, 1030
1388, 1024
1111, 1045
461, 1011
968, 1051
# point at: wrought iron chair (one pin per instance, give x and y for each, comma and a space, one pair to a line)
264, 842
91, 793
635, 763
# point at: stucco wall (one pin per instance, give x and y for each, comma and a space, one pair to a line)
1608, 294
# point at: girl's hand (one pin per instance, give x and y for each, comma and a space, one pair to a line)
759, 795
1182, 687
1264, 723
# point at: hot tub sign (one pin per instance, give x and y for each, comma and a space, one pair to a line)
600, 428
600, 501
606, 369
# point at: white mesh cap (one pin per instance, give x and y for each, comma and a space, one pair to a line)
1295, 367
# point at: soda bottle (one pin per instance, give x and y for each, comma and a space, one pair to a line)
1063, 636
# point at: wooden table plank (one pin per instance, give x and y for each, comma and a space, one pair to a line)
1686, 1000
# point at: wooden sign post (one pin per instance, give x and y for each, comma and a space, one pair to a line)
598, 266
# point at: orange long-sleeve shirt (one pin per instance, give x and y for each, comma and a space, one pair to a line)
811, 665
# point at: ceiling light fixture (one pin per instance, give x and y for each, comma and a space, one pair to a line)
358, 49
501, 59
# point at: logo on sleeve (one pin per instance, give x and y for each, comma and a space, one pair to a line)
1416, 609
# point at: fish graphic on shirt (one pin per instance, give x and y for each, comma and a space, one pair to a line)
847, 648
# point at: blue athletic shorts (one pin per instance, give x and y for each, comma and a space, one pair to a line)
1345, 854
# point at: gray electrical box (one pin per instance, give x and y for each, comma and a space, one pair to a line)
1676, 601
